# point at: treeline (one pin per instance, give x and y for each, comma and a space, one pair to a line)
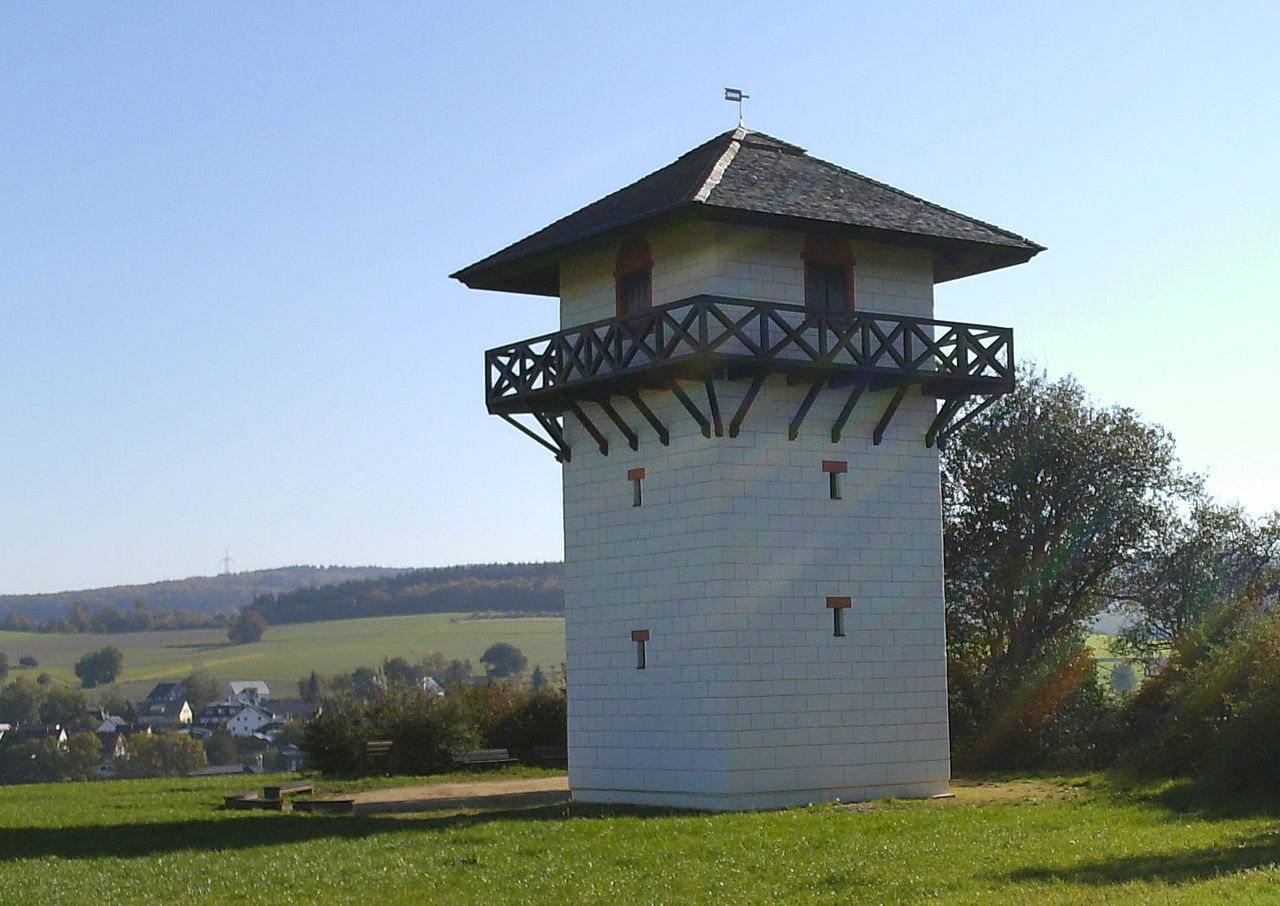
106, 618
1056, 510
203, 594
529, 588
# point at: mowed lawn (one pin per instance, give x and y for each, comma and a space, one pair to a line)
288, 652
1033, 842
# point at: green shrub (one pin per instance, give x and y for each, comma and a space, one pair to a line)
1051, 714
426, 730
536, 718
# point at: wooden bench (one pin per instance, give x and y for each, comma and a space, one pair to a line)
377, 752
483, 758
250, 800
296, 788
326, 806
553, 755
244, 799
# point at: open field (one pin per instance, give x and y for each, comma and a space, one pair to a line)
288, 652
1043, 842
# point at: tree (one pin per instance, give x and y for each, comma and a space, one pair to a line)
163, 755
1205, 569
1045, 497
311, 688
28, 660
201, 688
4, 666
84, 750
538, 679
66, 706
20, 702
100, 667
398, 670
248, 627
457, 672
120, 706
503, 659
220, 748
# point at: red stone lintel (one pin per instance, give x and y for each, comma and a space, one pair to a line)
839, 603
639, 635
635, 474
835, 465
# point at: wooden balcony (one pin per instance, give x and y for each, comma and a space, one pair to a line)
709, 338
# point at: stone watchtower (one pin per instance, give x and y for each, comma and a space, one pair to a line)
746, 394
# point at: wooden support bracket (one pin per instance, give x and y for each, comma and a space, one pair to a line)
633, 439
847, 409
794, 430
692, 408
735, 425
664, 436
601, 441
878, 434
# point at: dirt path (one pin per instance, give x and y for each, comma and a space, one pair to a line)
484, 794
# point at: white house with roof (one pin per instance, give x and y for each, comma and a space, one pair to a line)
239, 718
251, 691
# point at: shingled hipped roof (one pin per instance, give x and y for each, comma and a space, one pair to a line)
752, 178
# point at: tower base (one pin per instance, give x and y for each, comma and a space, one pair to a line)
730, 802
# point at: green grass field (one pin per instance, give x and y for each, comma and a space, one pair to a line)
1046, 843
288, 652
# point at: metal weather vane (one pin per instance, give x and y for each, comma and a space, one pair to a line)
736, 94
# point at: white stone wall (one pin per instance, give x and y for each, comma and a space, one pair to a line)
744, 263
747, 699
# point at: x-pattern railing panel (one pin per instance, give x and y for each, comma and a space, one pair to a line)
717, 330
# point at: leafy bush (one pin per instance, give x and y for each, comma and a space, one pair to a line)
535, 719
1052, 714
162, 755
1213, 712
425, 730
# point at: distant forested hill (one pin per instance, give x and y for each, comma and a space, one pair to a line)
203, 594
505, 587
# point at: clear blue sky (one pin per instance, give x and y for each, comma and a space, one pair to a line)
226, 229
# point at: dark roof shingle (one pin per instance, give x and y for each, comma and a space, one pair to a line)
755, 178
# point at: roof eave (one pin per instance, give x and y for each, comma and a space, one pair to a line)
538, 273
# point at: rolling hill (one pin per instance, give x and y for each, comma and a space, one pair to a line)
286, 653
205, 594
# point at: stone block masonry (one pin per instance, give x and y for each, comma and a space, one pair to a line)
747, 698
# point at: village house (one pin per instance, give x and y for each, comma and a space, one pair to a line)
239, 718
250, 691
166, 706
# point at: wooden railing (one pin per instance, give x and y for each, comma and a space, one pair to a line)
701, 335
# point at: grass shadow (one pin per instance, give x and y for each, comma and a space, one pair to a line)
249, 831
1193, 798
1245, 853
1198, 800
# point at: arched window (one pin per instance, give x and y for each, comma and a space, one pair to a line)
828, 274
633, 277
